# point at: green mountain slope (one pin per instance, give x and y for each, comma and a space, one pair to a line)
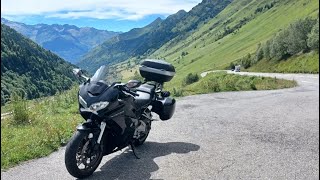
232, 34
303, 63
68, 41
30, 70
142, 42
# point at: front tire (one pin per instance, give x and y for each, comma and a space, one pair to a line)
83, 155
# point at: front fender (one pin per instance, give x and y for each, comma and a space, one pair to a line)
82, 127
88, 126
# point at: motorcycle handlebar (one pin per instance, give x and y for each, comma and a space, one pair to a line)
126, 89
132, 93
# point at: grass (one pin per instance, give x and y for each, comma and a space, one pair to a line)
51, 123
221, 81
6, 108
206, 53
304, 63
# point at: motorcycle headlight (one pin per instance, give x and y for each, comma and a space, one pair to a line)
98, 106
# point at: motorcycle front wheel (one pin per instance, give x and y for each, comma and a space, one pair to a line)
83, 155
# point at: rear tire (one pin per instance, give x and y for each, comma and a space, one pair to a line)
79, 151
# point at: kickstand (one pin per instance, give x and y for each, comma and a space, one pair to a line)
134, 151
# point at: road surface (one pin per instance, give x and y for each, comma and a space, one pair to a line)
230, 135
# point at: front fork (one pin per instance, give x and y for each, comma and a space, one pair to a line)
102, 128
87, 126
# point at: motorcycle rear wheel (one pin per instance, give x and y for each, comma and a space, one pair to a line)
81, 158
143, 138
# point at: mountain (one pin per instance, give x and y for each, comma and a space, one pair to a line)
141, 42
30, 70
234, 33
68, 41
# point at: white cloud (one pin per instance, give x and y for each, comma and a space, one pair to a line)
101, 9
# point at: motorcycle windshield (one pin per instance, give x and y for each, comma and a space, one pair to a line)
100, 74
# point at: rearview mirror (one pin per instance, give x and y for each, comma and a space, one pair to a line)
133, 83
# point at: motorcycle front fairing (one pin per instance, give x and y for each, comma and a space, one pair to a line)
94, 92
119, 115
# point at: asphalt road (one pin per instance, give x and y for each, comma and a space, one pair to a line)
230, 135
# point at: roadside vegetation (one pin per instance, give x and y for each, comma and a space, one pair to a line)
221, 81
304, 63
38, 131
294, 50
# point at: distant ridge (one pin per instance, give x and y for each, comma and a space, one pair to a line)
68, 41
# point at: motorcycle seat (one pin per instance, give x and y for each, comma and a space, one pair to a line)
148, 88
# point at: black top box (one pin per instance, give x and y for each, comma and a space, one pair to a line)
157, 70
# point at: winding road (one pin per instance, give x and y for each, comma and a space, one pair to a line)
230, 135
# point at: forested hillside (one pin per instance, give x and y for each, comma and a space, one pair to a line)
29, 70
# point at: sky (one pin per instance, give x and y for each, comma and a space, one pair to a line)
112, 15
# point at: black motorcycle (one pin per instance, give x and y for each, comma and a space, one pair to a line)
117, 115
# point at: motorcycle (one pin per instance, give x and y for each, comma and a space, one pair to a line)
117, 115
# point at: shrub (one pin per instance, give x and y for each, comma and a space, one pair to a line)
177, 93
184, 53
231, 66
20, 110
190, 78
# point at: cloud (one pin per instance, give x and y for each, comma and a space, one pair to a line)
100, 9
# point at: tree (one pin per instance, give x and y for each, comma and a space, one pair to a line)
298, 35
259, 53
266, 49
279, 46
3, 99
313, 37
246, 61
